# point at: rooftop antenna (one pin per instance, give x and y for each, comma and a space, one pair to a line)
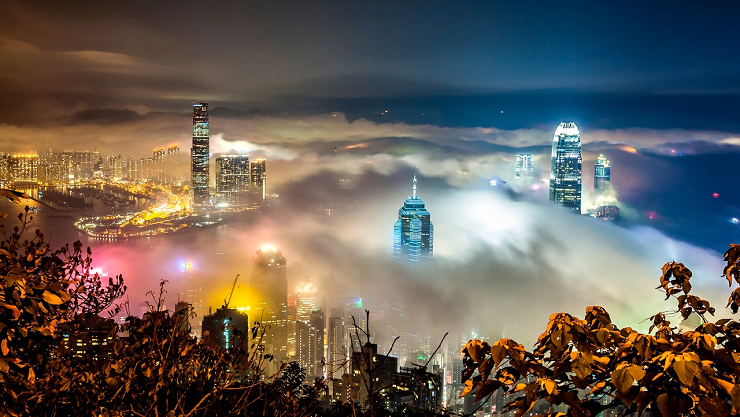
414, 189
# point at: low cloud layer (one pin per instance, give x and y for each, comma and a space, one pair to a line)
502, 266
504, 260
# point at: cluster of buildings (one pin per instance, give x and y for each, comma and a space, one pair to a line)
566, 175
64, 167
318, 334
239, 181
297, 328
413, 232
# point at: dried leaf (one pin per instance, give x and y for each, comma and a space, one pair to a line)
622, 379
686, 371
549, 386
487, 387
467, 389
52, 298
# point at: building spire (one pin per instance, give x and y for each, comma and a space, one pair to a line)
414, 189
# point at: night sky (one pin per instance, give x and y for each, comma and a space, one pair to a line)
367, 90
602, 56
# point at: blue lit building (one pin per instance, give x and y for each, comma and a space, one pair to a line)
602, 174
199, 154
565, 167
413, 233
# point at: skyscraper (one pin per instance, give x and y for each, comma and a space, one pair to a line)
413, 233
305, 301
602, 174
565, 167
158, 170
258, 179
269, 280
173, 175
318, 323
305, 354
524, 166
232, 178
336, 330
199, 154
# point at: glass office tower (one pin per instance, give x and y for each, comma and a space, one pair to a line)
413, 232
199, 154
565, 167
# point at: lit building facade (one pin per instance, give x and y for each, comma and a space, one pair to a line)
318, 324
6, 180
336, 331
173, 174
524, 166
269, 280
199, 154
24, 168
93, 338
413, 232
565, 167
258, 179
305, 301
232, 178
305, 355
602, 174
221, 325
158, 166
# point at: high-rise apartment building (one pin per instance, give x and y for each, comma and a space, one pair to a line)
336, 334
269, 280
305, 354
318, 323
158, 166
305, 301
602, 174
172, 168
524, 166
413, 232
565, 167
6, 179
258, 179
199, 154
232, 178
24, 169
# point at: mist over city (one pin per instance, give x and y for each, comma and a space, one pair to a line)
452, 169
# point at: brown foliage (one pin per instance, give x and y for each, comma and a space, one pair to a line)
590, 364
157, 369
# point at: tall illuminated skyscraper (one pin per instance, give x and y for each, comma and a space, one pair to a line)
336, 330
565, 167
258, 178
413, 233
199, 154
232, 177
318, 323
602, 174
269, 280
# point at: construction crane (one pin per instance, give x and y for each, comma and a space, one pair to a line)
227, 302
